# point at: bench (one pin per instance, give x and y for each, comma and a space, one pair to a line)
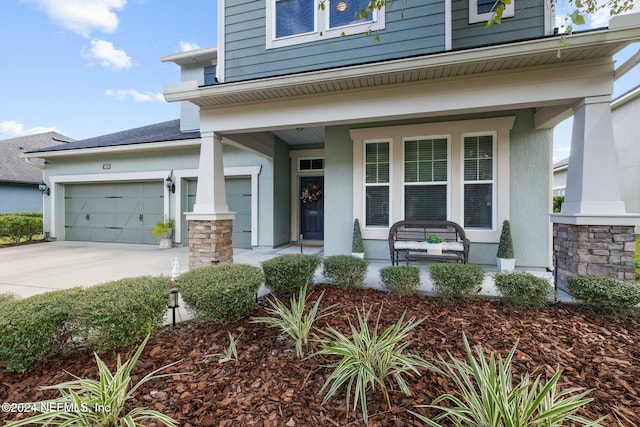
407, 241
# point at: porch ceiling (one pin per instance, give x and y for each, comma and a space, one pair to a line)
521, 55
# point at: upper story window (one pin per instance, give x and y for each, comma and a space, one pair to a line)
291, 22
210, 75
482, 10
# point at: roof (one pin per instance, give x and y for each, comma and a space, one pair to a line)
561, 163
207, 54
13, 168
159, 132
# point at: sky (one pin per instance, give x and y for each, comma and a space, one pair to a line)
87, 68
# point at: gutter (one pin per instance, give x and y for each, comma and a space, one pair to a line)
32, 163
627, 66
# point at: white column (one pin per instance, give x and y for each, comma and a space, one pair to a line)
211, 199
593, 190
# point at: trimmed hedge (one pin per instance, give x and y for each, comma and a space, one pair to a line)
456, 281
523, 290
286, 274
605, 295
221, 293
18, 226
33, 328
346, 271
400, 280
122, 312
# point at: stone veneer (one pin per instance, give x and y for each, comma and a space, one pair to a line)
210, 242
596, 250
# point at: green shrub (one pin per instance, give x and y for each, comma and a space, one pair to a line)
505, 247
7, 298
357, 245
400, 280
17, 226
32, 328
122, 312
221, 293
456, 281
558, 200
286, 274
522, 289
605, 295
346, 271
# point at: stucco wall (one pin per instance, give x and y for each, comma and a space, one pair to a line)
20, 198
626, 128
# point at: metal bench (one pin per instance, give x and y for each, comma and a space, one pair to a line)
407, 241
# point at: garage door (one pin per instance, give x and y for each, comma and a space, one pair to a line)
113, 212
238, 200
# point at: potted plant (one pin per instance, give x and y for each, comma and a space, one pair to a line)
162, 231
506, 257
357, 245
434, 244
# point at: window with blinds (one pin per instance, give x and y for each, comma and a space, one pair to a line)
478, 181
425, 179
377, 171
295, 17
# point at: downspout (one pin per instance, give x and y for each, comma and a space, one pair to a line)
32, 163
627, 66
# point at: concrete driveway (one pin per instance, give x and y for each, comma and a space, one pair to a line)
32, 269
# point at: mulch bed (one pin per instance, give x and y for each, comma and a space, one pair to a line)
269, 386
30, 242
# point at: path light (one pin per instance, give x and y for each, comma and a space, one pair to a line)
174, 303
44, 188
171, 186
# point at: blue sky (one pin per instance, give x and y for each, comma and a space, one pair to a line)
91, 67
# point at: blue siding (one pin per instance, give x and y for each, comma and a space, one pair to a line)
421, 31
20, 198
527, 23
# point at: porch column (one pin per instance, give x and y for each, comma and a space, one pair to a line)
593, 233
210, 223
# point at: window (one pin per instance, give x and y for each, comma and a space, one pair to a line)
295, 17
425, 179
377, 173
310, 164
478, 181
301, 21
482, 10
210, 75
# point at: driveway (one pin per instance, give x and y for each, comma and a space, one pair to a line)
32, 269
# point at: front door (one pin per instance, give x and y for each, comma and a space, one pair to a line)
312, 207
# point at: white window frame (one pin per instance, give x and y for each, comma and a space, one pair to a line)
321, 26
492, 181
475, 17
365, 184
310, 158
447, 182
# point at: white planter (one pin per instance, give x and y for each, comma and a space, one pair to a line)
358, 254
434, 248
165, 244
506, 264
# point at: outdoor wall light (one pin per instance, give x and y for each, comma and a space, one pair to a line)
44, 188
171, 186
174, 303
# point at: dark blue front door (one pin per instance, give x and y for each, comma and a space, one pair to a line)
312, 207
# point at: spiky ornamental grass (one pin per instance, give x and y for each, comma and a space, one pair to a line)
98, 403
487, 396
292, 321
370, 359
230, 354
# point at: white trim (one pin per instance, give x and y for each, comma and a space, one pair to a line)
296, 174
221, 62
148, 146
309, 158
253, 172
375, 230
448, 25
321, 29
475, 17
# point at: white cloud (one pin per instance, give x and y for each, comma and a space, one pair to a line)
135, 95
13, 129
108, 55
560, 153
186, 46
82, 16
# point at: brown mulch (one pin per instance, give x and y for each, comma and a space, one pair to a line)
269, 386
30, 242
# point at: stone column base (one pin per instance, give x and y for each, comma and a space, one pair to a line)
596, 250
210, 242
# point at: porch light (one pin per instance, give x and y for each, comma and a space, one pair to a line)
342, 6
44, 188
174, 303
171, 186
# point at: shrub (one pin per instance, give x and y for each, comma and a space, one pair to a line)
287, 274
17, 226
487, 395
505, 247
558, 200
456, 281
357, 245
122, 312
605, 295
7, 298
32, 328
346, 271
522, 289
400, 280
221, 293
434, 238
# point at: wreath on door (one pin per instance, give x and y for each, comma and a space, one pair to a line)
311, 193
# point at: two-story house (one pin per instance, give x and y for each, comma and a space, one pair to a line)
441, 118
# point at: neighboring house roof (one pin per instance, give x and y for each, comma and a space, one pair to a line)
561, 164
626, 97
159, 132
13, 168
